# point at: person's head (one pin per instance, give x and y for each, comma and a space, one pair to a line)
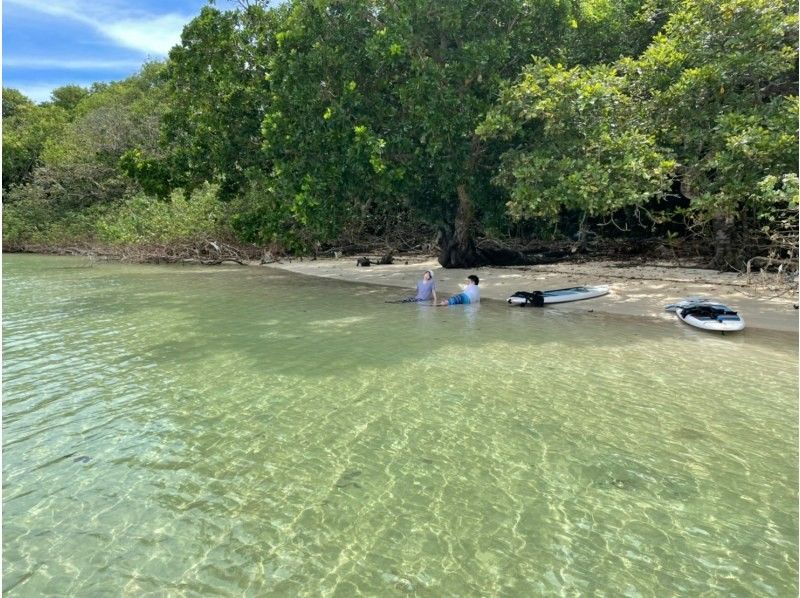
473, 279
428, 275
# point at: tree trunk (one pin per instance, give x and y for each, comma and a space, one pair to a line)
583, 234
457, 243
726, 255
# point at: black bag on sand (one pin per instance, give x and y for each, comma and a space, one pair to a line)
535, 299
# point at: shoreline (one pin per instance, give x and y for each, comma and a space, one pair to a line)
640, 289
636, 290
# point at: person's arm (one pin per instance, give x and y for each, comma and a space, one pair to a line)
433, 290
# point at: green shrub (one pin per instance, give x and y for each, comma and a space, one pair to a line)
143, 219
25, 216
30, 218
258, 216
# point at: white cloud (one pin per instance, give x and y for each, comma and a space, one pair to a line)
71, 64
147, 33
155, 35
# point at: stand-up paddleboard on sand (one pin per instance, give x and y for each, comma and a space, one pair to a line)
540, 298
707, 315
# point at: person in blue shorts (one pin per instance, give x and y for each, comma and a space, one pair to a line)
470, 294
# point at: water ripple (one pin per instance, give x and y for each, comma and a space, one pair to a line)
225, 432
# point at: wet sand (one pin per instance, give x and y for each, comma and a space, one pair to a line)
764, 301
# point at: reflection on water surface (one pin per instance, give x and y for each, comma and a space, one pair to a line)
247, 431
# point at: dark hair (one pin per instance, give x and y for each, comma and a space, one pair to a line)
473, 278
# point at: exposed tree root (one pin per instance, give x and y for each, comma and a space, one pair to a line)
204, 251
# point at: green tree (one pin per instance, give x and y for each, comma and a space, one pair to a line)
14, 101
324, 133
721, 86
711, 102
586, 145
26, 130
363, 107
79, 166
375, 103
218, 97
452, 58
602, 31
68, 96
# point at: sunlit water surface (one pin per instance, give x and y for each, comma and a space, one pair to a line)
246, 431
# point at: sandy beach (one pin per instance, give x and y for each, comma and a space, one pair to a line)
637, 290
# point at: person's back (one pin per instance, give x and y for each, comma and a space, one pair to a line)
471, 294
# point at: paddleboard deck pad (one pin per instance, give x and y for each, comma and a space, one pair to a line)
541, 298
707, 315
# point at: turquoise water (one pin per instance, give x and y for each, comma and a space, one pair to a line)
246, 431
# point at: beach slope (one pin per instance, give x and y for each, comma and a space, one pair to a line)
636, 290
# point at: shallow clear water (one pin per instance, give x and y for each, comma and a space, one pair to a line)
246, 431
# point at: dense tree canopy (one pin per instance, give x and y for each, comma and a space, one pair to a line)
218, 95
81, 166
315, 120
13, 102
68, 96
26, 130
699, 106
583, 140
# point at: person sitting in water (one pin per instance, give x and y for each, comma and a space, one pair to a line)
426, 289
471, 294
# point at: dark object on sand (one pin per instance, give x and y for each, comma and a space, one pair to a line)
705, 314
534, 299
541, 298
363, 261
386, 259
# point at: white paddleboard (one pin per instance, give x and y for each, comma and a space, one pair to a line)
707, 315
561, 295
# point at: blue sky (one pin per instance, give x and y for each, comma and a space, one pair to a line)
50, 43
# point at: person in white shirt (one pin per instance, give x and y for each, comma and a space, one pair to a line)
471, 294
